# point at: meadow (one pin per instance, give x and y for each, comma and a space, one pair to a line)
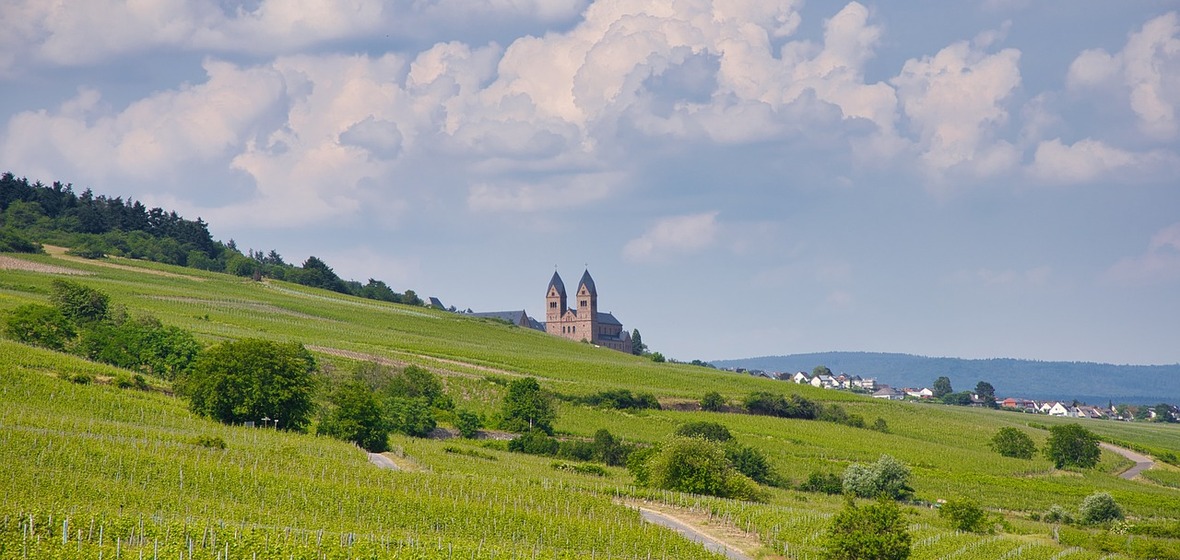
94, 471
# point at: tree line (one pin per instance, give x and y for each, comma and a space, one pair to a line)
94, 226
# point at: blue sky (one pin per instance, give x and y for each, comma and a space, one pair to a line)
745, 177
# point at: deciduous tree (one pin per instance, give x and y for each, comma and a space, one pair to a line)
526, 407
1011, 442
1071, 445
942, 386
875, 531
251, 379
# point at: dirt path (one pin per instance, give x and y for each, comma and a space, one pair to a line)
1142, 462
383, 462
723, 539
354, 355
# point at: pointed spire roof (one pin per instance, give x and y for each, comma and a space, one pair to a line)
588, 282
556, 282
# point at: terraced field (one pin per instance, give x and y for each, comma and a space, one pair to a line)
93, 470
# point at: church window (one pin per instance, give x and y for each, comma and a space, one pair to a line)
582, 303
553, 305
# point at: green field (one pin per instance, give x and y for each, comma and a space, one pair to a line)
93, 470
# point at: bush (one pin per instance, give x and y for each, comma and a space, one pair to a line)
711, 431
610, 450
698, 466
212, 442
1011, 442
526, 407
577, 450
247, 380
593, 470
795, 406
413, 417
827, 483
1098, 508
620, 399
468, 423
713, 402
888, 477
875, 531
40, 325
1057, 514
12, 241
358, 417
79, 303
751, 463
964, 514
535, 442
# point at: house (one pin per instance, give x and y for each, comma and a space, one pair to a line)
1018, 403
868, 383
1091, 412
824, 381
1055, 409
888, 393
801, 378
519, 318
923, 393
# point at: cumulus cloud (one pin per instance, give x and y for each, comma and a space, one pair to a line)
554, 192
955, 101
1087, 160
1160, 264
1145, 75
674, 235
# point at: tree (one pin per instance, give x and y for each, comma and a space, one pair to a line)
40, 325
526, 407
820, 370
964, 514
1072, 445
713, 402
416, 382
875, 531
1163, 413
79, 303
942, 386
468, 423
985, 391
887, 477
1099, 507
608, 449
252, 379
411, 416
711, 431
357, 417
637, 346
1011, 442
658, 357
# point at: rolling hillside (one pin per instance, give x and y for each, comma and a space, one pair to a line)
92, 469
1084, 381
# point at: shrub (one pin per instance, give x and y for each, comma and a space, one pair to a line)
535, 442
888, 477
413, 417
1098, 508
698, 466
39, 325
610, 450
468, 423
795, 406
526, 407
620, 399
711, 431
751, 463
880, 425
247, 380
877, 531
827, 483
1011, 442
713, 402
964, 515
358, 417
1057, 514
78, 302
212, 442
577, 450
593, 470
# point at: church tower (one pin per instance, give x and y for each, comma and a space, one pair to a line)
555, 305
587, 296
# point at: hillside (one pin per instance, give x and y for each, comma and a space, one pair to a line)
132, 469
1084, 381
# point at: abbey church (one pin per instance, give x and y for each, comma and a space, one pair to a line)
584, 322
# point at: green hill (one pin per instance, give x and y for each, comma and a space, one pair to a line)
92, 469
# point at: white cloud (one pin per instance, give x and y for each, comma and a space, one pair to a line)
678, 234
954, 101
553, 192
1160, 264
1145, 75
150, 137
1087, 160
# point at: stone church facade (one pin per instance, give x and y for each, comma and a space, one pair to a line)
582, 322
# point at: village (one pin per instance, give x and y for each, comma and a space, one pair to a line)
1068, 409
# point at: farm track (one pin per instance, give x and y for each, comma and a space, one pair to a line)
691, 530
1142, 462
354, 355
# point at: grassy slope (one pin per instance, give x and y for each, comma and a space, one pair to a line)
116, 432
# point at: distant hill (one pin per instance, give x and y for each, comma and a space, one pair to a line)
1084, 381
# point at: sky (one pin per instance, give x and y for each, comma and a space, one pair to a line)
991, 178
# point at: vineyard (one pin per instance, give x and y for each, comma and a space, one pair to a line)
95, 471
